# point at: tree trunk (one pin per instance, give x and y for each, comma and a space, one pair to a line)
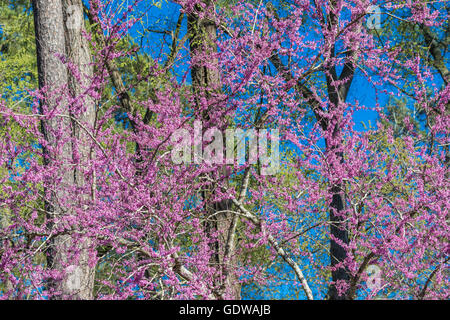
78, 53
339, 231
206, 82
52, 39
338, 225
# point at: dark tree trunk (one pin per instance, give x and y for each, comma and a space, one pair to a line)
339, 231
337, 218
337, 95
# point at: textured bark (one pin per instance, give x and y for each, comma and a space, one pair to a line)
206, 82
78, 53
53, 75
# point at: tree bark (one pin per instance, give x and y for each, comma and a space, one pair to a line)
53, 38
78, 53
205, 83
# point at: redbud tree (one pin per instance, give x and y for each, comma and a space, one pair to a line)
93, 205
